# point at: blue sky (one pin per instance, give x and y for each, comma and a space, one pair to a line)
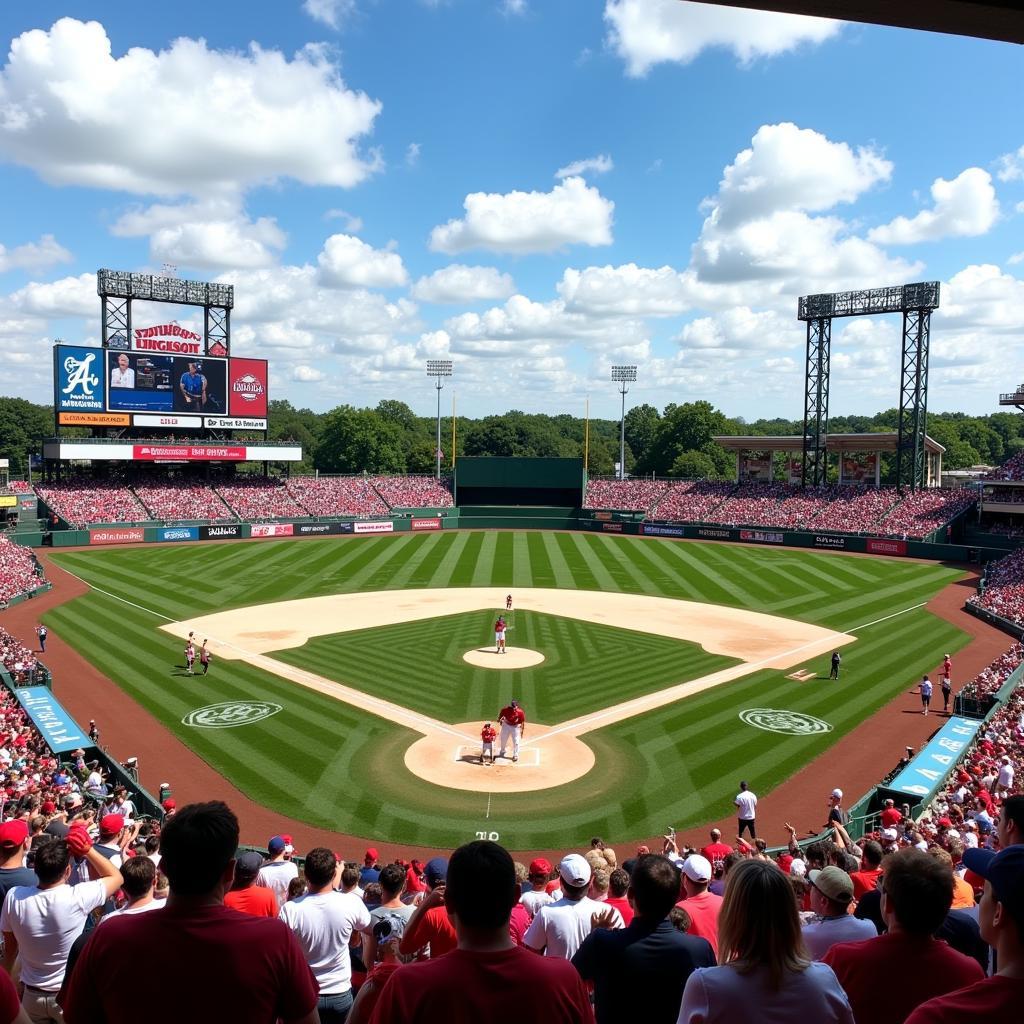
535, 190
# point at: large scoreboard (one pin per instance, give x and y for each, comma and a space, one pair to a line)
161, 380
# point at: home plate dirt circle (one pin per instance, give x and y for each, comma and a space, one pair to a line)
545, 760
514, 657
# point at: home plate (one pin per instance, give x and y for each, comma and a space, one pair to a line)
529, 757
514, 657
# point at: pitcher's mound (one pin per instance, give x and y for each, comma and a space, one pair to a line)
514, 657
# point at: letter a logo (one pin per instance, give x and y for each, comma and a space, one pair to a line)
79, 375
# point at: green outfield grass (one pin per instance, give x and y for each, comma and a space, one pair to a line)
339, 767
587, 666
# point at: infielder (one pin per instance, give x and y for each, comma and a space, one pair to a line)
513, 726
508, 603
488, 735
499, 635
190, 657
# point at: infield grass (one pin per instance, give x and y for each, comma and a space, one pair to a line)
338, 767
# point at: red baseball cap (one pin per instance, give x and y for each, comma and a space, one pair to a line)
371, 854
111, 824
48, 807
169, 804
13, 833
540, 866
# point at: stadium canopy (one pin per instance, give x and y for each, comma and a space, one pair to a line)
984, 19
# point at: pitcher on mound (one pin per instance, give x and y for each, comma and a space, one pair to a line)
513, 725
499, 635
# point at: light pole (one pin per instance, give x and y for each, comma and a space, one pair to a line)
623, 374
439, 369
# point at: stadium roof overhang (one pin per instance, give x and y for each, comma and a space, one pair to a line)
984, 19
834, 442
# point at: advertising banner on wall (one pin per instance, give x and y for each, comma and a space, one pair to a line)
878, 546
761, 537
653, 530
188, 452
247, 388
117, 535
271, 530
178, 533
229, 531
93, 419
611, 527
426, 524
165, 384
234, 423
931, 765
387, 527
321, 529
78, 384
828, 541
165, 338
168, 420
711, 533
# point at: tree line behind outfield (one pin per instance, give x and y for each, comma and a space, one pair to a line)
675, 442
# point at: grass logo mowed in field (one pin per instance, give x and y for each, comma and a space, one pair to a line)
790, 723
230, 714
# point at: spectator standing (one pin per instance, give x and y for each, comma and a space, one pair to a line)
1011, 822
42, 632
245, 894
639, 971
618, 894
766, 974
916, 895
890, 816
716, 850
41, 922
94, 733
14, 842
926, 694
225, 966
392, 886
836, 813
559, 928
702, 905
369, 872
866, 880
277, 871
999, 999
431, 924
837, 660
537, 896
831, 896
746, 803
486, 970
139, 875
324, 921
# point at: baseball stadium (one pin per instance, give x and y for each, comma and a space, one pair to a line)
354, 670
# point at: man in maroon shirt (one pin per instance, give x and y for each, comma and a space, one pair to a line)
917, 893
486, 970
227, 966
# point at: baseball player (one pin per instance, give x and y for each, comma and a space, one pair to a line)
926, 694
499, 635
190, 657
946, 681
508, 603
488, 734
513, 726
204, 657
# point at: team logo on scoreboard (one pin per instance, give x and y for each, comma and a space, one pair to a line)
78, 379
81, 381
248, 388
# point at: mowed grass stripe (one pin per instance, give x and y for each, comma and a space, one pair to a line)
678, 763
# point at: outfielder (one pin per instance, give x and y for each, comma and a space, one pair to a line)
488, 735
499, 635
513, 726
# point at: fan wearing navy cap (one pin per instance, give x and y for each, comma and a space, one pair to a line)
430, 924
999, 999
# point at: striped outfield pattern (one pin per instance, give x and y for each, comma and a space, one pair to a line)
339, 768
587, 666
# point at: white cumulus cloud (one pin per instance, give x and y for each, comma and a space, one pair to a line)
600, 164
307, 374
626, 290
459, 283
348, 262
188, 119
525, 222
964, 207
649, 32
1010, 166
33, 255
333, 13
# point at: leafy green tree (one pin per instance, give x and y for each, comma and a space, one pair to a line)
22, 426
693, 465
641, 429
358, 440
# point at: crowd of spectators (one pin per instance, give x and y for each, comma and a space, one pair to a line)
691, 502
338, 496
260, 498
415, 491
854, 509
624, 495
752, 504
19, 571
1003, 590
1011, 469
16, 658
922, 512
82, 503
19, 486
181, 501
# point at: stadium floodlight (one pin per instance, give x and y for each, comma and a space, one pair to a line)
439, 369
623, 375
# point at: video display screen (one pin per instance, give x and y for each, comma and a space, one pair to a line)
138, 382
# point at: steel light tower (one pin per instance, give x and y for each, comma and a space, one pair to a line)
623, 375
439, 369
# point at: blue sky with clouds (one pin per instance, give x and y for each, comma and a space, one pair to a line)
535, 190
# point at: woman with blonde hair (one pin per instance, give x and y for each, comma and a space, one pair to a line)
765, 969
